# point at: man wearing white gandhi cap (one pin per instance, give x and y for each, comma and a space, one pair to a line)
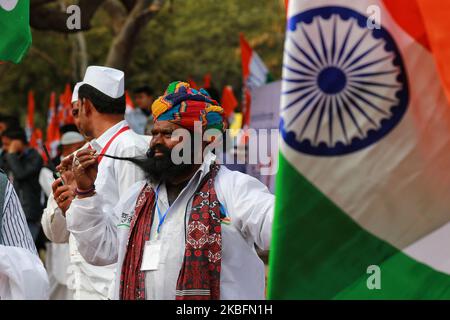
75, 92
99, 101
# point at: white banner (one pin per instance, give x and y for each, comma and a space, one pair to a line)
265, 114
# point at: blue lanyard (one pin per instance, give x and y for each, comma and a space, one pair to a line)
161, 217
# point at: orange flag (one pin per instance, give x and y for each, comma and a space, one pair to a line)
36, 142
53, 134
435, 15
207, 81
192, 83
65, 107
228, 101
30, 115
254, 74
128, 103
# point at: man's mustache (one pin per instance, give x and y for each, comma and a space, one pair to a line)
150, 154
156, 168
148, 162
160, 148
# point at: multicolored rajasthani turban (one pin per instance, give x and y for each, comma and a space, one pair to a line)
184, 105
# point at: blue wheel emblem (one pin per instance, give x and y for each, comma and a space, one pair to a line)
344, 85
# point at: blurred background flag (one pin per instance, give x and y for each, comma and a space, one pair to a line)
129, 106
254, 74
15, 34
53, 134
228, 101
29, 126
207, 81
37, 143
192, 83
362, 205
65, 107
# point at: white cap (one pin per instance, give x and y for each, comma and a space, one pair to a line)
107, 80
71, 137
75, 92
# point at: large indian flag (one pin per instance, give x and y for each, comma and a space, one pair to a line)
15, 34
363, 187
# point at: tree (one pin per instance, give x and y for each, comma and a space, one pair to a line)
50, 15
184, 38
195, 37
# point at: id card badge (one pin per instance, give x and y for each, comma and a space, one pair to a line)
151, 257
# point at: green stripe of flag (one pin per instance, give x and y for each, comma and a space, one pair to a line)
319, 252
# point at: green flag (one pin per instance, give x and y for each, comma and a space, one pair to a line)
15, 34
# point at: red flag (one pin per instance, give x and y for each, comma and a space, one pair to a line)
128, 103
254, 74
60, 110
33, 140
207, 81
30, 115
247, 100
36, 142
53, 134
65, 107
228, 101
246, 55
192, 83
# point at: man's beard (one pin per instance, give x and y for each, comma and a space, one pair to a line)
159, 168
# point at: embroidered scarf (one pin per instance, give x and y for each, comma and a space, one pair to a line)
199, 277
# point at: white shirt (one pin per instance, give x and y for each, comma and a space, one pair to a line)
45, 180
113, 179
22, 274
248, 203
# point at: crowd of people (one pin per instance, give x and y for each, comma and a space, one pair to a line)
118, 217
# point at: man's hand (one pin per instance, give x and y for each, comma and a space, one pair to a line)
65, 165
69, 178
85, 167
15, 146
63, 194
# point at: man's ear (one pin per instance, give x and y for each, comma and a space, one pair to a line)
88, 107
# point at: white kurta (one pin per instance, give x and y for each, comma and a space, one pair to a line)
248, 203
57, 261
114, 178
45, 180
22, 274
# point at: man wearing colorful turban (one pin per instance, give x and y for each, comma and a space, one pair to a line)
189, 230
183, 105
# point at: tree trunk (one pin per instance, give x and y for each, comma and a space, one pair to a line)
120, 52
83, 54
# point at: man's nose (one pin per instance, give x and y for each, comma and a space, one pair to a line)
156, 139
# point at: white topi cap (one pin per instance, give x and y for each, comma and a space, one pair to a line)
107, 80
75, 92
71, 137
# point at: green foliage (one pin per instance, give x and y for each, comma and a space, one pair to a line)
201, 36
188, 38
